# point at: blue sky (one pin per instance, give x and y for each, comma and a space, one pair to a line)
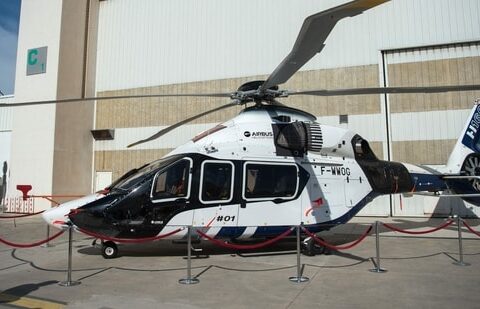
9, 17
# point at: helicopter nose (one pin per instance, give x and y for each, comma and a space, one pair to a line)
58, 216
92, 222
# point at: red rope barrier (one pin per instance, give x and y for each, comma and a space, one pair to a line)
330, 246
38, 243
21, 216
50, 198
470, 228
391, 227
129, 240
246, 247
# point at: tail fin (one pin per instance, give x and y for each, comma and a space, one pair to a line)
467, 143
464, 160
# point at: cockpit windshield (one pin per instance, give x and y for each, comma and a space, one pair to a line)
131, 178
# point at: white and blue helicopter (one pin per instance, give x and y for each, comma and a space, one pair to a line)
269, 168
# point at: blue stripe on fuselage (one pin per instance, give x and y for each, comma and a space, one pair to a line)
271, 231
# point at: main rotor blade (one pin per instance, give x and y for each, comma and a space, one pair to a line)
181, 123
312, 36
214, 95
386, 90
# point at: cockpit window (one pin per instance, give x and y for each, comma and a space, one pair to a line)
131, 178
173, 182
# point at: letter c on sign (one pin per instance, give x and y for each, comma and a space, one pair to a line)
32, 56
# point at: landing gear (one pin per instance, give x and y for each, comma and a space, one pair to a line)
109, 250
310, 248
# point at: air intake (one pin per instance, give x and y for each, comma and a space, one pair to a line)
314, 137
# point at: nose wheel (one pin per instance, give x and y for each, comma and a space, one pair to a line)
109, 250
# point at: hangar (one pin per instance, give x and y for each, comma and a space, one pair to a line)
125, 47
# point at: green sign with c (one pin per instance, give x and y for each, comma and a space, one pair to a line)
32, 56
37, 60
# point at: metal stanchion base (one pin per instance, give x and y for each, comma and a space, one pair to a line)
189, 281
299, 279
69, 283
378, 270
460, 263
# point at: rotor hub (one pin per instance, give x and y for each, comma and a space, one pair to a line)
253, 92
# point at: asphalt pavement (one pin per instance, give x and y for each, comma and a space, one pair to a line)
420, 271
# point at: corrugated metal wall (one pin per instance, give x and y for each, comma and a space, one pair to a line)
424, 127
431, 121
152, 42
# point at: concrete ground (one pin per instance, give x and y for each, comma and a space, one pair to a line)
421, 272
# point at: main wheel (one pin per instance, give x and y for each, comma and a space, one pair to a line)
310, 248
109, 250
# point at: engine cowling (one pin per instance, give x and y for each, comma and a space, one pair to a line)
297, 138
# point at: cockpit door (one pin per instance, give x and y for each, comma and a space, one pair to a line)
170, 194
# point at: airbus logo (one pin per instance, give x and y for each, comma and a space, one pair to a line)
258, 134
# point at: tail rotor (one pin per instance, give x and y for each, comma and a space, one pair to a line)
471, 167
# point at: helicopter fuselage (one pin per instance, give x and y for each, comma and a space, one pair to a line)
256, 175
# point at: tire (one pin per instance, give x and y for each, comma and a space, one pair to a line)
310, 248
109, 250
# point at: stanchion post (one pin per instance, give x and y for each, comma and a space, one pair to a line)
47, 244
189, 279
460, 244
298, 278
377, 268
69, 281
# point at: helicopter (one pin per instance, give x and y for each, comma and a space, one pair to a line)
270, 167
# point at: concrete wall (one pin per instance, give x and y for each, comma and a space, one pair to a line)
51, 148
33, 127
73, 141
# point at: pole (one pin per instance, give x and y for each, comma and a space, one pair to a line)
377, 268
298, 278
47, 244
460, 244
69, 281
189, 279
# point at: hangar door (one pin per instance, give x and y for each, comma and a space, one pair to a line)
423, 128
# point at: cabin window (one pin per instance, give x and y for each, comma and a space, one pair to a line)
173, 182
275, 180
216, 182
